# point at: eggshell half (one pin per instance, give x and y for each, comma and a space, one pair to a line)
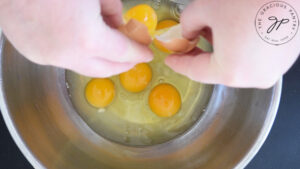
173, 40
136, 31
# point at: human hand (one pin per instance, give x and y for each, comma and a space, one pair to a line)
73, 34
240, 58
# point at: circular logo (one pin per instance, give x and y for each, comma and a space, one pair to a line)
277, 22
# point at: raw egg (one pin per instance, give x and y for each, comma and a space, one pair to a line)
163, 25
173, 40
144, 14
148, 105
166, 24
100, 92
137, 78
164, 100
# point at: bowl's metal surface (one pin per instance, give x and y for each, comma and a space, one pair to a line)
49, 132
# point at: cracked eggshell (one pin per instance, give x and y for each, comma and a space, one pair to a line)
136, 31
173, 40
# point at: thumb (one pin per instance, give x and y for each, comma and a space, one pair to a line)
113, 46
197, 66
95, 67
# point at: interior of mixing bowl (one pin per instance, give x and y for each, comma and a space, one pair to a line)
51, 134
128, 119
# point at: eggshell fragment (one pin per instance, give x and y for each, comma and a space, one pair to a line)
136, 31
173, 40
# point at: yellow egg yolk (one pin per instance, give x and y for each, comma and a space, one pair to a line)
137, 78
100, 92
164, 100
144, 14
166, 24
162, 25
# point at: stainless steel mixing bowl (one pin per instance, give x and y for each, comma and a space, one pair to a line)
49, 132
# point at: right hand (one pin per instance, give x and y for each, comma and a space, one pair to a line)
240, 57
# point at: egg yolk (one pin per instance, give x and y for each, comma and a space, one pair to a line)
137, 78
144, 14
100, 92
164, 100
162, 25
166, 24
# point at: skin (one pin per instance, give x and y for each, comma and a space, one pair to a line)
240, 57
72, 34
81, 36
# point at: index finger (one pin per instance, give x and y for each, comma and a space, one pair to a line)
194, 19
111, 11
